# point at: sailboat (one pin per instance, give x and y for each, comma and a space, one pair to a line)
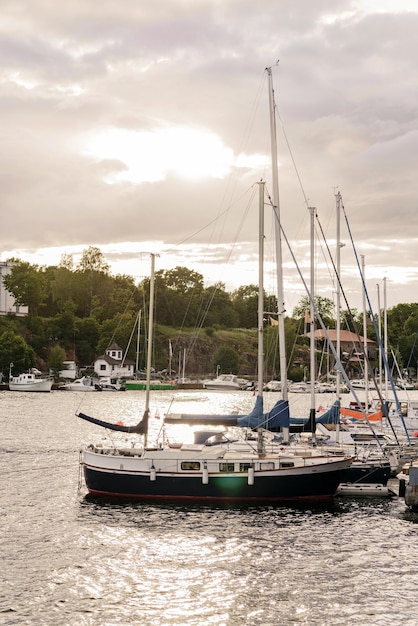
216, 467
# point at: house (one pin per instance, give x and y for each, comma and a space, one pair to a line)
112, 363
352, 345
7, 301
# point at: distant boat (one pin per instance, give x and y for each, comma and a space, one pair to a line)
30, 381
408, 484
360, 383
85, 383
227, 382
156, 385
110, 383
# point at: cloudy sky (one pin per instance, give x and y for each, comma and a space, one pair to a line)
139, 126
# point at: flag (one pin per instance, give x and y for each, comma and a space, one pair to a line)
170, 348
273, 322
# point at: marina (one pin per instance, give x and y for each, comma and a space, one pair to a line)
69, 558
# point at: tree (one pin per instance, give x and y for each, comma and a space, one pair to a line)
178, 296
26, 283
227, 359
14, 349
324, 306
56, 361
92, 260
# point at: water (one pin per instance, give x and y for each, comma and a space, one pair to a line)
70, 561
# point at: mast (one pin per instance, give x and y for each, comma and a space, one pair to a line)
138, 344
338, 313
278, 241
260, 353
149, 350
312, 411
260, 358
365, 351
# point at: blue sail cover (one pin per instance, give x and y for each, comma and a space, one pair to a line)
332, 416
277, 417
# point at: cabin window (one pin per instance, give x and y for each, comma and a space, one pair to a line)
190, 465
287, 464
226, 467
244, 467
267, 466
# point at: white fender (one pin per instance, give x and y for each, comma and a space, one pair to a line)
251, 475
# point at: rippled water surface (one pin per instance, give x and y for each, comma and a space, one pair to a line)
68, 560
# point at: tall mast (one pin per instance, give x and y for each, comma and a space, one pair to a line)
261, 289
312, 327
149, 351
338, 313
278, 239
365, 351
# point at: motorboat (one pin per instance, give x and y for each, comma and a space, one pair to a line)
110, 383
227, 382
30, 381
84, 384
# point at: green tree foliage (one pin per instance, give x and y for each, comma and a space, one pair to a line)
56, 361
14, 349
26, 282
178, 296
227, 358
217, 308
92, 260
402, 328
82, 309
245, 302
324, 306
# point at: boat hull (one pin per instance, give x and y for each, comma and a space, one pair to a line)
138, 386
148, 479
43, 386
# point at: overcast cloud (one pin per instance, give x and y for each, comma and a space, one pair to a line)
138, 123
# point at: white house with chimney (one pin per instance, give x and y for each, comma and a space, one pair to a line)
113, 364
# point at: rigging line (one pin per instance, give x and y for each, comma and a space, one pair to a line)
373, 318
241, 150
338, 364
291, 155
352, 320
205, 307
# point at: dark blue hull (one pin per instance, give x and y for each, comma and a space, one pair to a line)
286, 488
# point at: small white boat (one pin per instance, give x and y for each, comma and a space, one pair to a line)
85, 383
273, 385
110, 383
301, 387
360, 383
408, 484
30, 381
223, 382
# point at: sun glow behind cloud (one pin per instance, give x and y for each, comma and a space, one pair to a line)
150, 156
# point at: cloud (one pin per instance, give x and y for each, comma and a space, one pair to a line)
169, 101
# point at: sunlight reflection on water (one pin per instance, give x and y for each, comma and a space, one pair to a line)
70, 560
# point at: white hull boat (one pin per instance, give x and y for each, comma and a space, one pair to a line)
84, 384
30, 382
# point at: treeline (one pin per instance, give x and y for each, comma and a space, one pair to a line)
81, 309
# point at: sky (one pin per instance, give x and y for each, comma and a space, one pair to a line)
141, 127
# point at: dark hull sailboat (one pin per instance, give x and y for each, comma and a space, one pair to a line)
215, 469
198, 474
